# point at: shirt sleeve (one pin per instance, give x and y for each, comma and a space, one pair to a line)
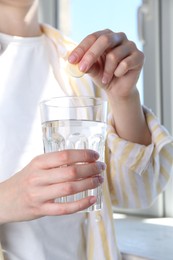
139, 173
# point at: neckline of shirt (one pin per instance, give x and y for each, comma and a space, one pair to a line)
6, 38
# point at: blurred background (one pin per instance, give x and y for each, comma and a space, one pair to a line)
149, 24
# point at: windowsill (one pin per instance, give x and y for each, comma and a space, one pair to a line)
143, 239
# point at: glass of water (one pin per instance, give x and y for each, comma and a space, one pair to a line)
75, 123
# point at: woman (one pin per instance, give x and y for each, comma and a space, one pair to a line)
32, 67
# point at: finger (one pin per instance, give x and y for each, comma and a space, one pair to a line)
65, 157
113, 59
76, 55
73, 172
103, 45
93, 46
56, 209
132, 62
54, 191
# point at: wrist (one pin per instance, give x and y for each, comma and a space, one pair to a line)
123, 100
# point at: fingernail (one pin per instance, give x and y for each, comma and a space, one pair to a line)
101, 179
105, 80
96, 155
93, 200
98, 180
72, 58
83, 66
101, 166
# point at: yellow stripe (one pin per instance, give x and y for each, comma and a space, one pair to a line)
114, 145
75, 88
98, 92
87, 86
1, 253
102, 230
122, 184
105, 186
105, 243
158, 188
111, 172
126, 151
149, 118
138, 160
134, 187
91, 244
110, 176
56, 35
78, 90
167, 155
160, 137
164, 173
146, 182
155, 127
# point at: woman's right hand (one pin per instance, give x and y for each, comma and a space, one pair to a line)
31, 193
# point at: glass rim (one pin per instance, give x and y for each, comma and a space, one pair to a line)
48, 101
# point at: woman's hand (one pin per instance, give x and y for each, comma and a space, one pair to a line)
31, 193
111, 59
115, 63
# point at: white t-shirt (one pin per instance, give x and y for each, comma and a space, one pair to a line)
26, 78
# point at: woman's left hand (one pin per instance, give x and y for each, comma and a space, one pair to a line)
113, 62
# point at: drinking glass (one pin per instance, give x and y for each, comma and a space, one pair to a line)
72, 122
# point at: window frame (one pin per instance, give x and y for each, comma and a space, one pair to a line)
167, 85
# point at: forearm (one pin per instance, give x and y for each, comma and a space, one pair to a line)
129, 119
